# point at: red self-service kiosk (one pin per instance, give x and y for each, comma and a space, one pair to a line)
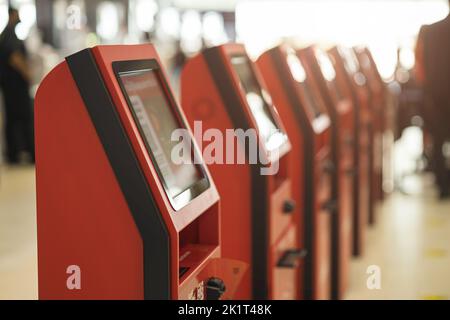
118, 217
223, 90
377, 91
307, 122
337, 99
348, 74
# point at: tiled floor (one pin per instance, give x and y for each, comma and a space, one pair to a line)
18, 253
410, 243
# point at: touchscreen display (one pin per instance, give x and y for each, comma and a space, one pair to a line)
299, 74
311, 100
328, 72
258, 103
157, 122
351, 62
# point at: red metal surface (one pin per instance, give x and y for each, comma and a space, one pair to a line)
75, 185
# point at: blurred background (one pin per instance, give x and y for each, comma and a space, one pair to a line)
413, 222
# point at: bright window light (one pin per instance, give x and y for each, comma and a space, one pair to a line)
191, 31
325, 65
108, 20
145, 12
170, 22
296, 67
3, 15
214, 29
382, 25
407, 57
27, 13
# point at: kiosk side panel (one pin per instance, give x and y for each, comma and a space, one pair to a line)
269, 71
82, 216
201, 102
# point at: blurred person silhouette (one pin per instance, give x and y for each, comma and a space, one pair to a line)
433, 72
14, 83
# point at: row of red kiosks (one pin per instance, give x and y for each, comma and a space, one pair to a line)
223, 89
286, 141
357, 68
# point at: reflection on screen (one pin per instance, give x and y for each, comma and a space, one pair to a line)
299, 74
328, 72
258, 103
350, 60
311, 100
157, 122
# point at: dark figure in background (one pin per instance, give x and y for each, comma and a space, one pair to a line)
433, 71
14, 83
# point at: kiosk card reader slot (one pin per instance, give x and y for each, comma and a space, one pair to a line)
118, 217
223, 93
304, 114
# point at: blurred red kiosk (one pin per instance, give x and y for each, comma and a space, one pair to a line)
308, 124
117, 218
222, 88
339, 105
348, 73
378, 102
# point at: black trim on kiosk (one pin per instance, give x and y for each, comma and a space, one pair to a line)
308, 230
260, 233
137, 193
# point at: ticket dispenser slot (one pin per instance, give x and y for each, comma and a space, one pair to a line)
222, 90
307, 123
337, 98
349, 75
112, 202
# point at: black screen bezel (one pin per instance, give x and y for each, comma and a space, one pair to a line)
185, 197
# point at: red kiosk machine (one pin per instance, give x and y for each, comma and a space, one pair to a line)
307, 122
348, 74
337, 99
117, 217
222, 88
377, 91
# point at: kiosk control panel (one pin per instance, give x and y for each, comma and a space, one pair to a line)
308, 124
338, 101
222, 91
119, 217
348, 73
